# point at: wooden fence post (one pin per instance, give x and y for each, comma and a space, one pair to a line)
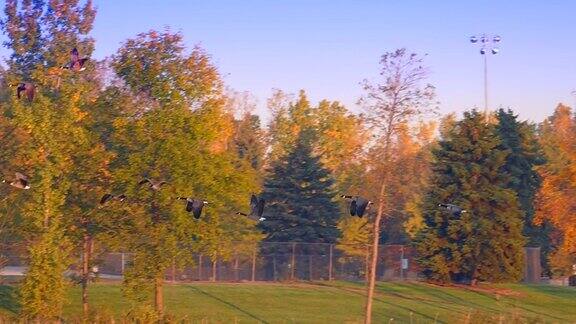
330, 262
293, 262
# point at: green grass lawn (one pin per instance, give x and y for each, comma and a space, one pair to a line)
339, 302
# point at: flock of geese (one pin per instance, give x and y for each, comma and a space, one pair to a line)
28, 89
357, 207
193, 205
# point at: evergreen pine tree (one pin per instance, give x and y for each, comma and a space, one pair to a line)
249, 140
525, 154
486, 242
300, 199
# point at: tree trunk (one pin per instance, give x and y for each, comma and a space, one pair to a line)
214, 263
200, 267
367, 264
380, 212
236, 269
474, 275
374, 256
159, 296
173, 274
310, 267
274, 266
85, 272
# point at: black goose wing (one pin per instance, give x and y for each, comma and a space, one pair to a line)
456, 209
144, 181
189, 206
361, 205
452, 208
21, 87
353, 208
74, 55
81, 62
197, 208
253, 205
24, 183
261, 204
105, 198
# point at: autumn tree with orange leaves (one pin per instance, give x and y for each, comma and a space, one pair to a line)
556, 202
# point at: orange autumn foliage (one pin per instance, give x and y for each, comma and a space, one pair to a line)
555, 201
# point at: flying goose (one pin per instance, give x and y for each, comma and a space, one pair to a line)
28, 88
194, 206
256, 208
20, 181
76, 63
358, 205
107, 197
154, 185
457, 210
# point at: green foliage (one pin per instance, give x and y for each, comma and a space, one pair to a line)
154, 64
289, 118
57, 142
43, 291
249, 140
182, 137
486, 242
525, 154
23, 28
300, 198
355, 237
341, 141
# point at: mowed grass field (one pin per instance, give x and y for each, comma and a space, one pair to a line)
338, 302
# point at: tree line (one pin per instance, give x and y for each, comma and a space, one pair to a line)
156, 109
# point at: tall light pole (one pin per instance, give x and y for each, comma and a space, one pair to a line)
488, 45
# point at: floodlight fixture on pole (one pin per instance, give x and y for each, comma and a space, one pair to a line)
488, 46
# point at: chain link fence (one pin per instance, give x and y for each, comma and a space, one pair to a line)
272, 261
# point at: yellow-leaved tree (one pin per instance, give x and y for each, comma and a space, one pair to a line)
555, 201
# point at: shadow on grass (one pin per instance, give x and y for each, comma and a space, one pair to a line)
231, 305
561, 292
9, 300
539, 314
451, 298
484, 306
381, 301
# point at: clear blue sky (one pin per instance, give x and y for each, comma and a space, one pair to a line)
328, 47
